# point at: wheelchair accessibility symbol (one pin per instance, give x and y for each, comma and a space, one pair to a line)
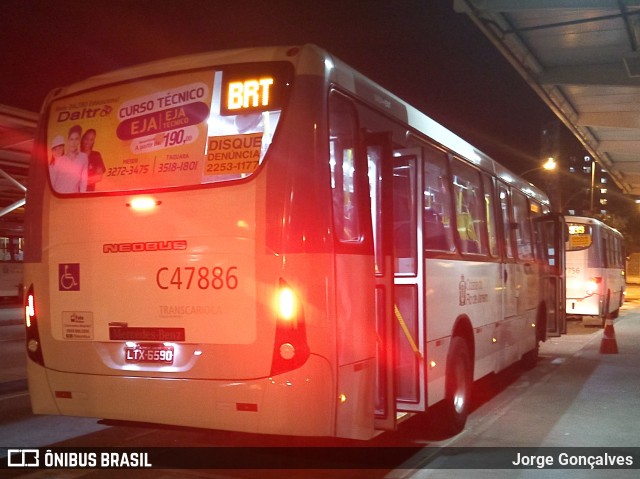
69, 277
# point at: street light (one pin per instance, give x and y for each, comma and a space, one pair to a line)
548, 165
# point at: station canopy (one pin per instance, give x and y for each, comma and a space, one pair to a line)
582, 57
17, 132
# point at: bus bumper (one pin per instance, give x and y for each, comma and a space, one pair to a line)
296, 403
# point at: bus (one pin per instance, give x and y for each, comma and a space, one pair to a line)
270, 242
595, 263
11, 256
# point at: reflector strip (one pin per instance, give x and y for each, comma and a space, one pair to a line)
146, 334
247, 407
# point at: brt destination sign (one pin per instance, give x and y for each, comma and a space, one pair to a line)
160, 132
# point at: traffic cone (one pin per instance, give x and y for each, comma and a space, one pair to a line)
608, 344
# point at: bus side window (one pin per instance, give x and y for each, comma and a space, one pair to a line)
470, 210
539, 241
505, 208
5, 252
619, 253
524, 240
489, 204
605, 249
405, 214
342, 145
438, 235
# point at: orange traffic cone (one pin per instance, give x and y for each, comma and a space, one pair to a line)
608, 344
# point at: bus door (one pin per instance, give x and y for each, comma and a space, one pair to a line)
551, 230
380, 184
408, 278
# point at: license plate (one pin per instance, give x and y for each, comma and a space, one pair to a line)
149, 353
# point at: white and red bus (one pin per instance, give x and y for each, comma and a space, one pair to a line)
270, 242
595, 261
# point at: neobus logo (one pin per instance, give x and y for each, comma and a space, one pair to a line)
144, 246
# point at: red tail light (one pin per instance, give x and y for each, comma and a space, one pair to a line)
34, 347
290, 349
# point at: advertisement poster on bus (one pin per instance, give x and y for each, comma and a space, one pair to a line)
151, 134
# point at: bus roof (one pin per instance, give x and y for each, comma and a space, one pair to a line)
591, 221
312, 60
380, 98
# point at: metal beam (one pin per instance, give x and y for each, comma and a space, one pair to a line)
13, 181
498, 6
21, 157
611, 74
13, 207
610, 119
629, 147
547, 83
15, 138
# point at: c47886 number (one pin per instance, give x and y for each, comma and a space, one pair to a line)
190, 277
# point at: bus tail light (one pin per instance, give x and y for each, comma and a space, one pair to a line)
290, 347
34, 349
593, 285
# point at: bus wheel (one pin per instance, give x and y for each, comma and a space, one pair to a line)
530, 358
616, 313
458, 385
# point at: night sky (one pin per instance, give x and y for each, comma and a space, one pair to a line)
421, 50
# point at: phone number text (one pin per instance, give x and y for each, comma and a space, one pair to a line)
128, 170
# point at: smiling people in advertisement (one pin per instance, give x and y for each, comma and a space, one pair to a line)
68, 165
95, 166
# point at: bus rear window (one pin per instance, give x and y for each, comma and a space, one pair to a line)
579, 236
182, 129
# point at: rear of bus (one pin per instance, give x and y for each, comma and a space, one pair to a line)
582, 297
594, 270
179, 269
